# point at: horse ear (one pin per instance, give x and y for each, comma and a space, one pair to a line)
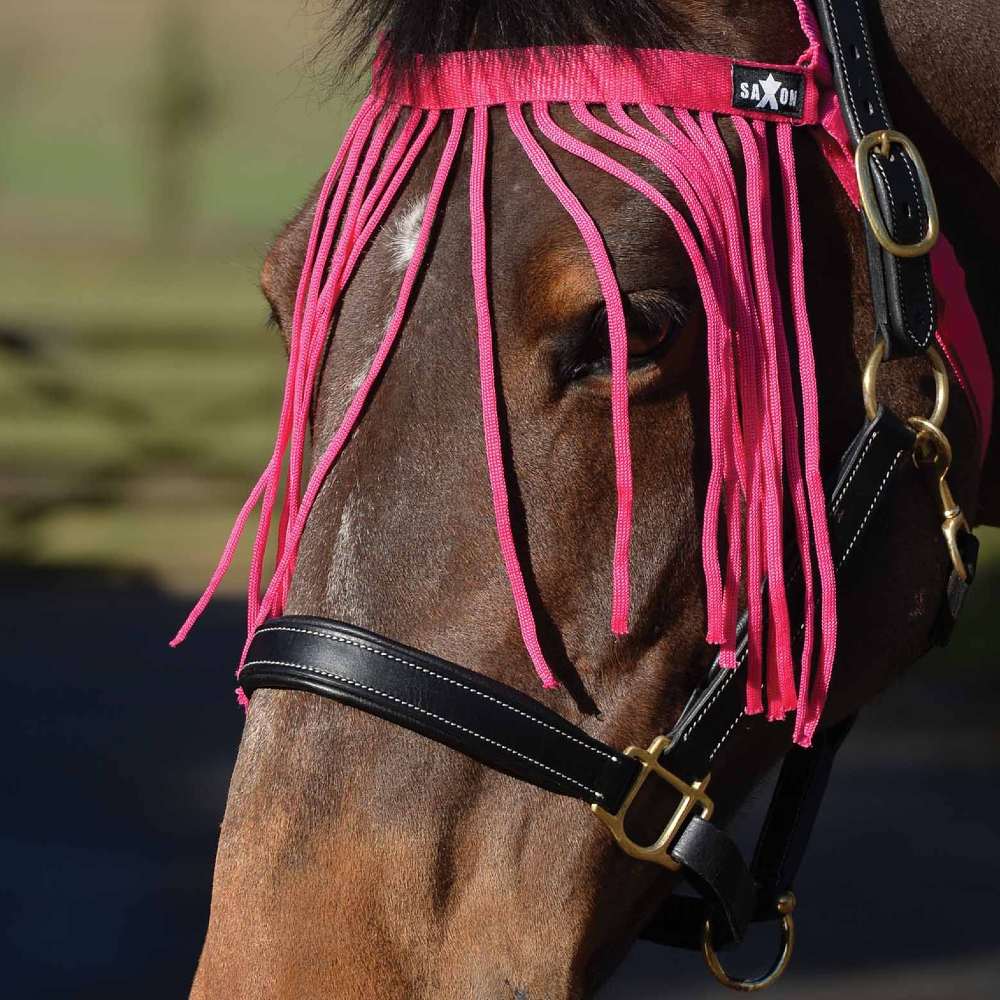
279, 274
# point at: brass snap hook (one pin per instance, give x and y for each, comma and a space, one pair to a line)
785, 906
933, 448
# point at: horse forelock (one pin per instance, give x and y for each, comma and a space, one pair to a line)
414, 28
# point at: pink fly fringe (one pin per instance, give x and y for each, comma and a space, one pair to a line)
337, 239
487, 378
754, 428
764, 434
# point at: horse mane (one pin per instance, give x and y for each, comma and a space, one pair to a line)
428, 28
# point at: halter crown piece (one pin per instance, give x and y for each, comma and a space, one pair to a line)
665, 107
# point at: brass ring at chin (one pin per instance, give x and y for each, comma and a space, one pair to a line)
762, 982
942, 385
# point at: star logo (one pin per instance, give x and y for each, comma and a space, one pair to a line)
769, 91
770, 87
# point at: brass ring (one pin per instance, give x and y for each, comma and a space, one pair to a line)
786, 904
942, 385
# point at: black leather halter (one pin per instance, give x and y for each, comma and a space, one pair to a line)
513, 733
902, 289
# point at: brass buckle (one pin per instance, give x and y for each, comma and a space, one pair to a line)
692, 797
785, 905
882, 142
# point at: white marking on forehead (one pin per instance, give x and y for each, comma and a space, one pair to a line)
405, 230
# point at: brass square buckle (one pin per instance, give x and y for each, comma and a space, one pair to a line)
692, 797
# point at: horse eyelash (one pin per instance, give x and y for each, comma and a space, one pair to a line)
579, 356
658, 305
655, 309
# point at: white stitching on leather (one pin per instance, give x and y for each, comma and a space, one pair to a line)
880, 166
725, 736
868, 52
712, 700
843, 62
927, 279
892, 208
432, 673
423, 711
871, 507
839, 495
742, 712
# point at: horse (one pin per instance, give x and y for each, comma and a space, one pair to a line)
357, 859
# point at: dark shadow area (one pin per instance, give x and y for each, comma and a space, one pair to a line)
118, 752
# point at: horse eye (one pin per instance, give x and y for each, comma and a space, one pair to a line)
652, 318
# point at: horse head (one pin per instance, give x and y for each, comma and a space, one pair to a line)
359, 859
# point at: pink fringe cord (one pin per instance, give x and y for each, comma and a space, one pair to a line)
761, 448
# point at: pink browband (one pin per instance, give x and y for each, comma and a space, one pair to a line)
596, 74
762, 450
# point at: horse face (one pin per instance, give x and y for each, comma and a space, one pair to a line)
414, 864
358, 859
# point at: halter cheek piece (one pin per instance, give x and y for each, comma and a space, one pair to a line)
515, 734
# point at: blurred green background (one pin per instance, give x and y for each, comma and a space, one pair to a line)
148, 150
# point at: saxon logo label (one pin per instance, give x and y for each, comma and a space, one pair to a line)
779, 92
